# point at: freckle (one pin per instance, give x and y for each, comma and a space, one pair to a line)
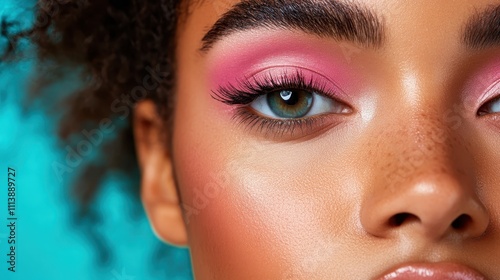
387, 165
430, 148
443, 170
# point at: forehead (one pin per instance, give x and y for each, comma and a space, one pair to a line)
382, 6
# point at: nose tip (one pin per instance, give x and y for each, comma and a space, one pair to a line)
432, 210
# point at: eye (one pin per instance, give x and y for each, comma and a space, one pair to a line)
490, 107
296, 104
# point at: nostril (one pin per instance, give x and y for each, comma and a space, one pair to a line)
461, 222
401, 218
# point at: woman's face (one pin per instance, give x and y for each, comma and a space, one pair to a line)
338, 139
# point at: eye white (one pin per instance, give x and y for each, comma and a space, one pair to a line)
495, 107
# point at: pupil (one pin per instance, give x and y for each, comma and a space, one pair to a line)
289, 97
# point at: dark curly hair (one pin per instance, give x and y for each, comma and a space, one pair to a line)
117, 44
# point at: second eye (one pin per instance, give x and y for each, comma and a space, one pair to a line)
297, 103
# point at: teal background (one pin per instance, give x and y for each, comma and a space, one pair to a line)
50, 244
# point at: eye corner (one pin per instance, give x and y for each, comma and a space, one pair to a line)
480, 114
489, 107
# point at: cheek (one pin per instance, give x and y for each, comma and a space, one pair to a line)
257, 208
487, 165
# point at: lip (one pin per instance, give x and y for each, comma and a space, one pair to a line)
431, 271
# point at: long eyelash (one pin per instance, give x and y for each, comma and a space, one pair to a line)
250, 89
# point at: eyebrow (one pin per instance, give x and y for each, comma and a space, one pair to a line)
325, 18
483, 29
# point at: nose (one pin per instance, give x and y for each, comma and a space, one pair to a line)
432, 209
433, 197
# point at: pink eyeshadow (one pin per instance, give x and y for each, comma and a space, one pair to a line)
243, 56
483, 84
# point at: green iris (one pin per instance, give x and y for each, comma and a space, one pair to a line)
290, 104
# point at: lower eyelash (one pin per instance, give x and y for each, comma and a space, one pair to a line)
276, 127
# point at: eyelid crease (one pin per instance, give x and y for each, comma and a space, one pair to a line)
490, 93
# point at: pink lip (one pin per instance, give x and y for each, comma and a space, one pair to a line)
431, 271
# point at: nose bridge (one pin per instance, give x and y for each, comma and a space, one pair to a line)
425, 176
422, 144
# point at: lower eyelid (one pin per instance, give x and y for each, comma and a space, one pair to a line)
287, 129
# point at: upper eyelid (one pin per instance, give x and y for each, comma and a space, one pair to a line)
309, 84
284, 76
298, 70
487, 96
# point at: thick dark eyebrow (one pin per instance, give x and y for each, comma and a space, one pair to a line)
325, 18
483, 29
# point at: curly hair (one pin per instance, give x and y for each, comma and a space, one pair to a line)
126, 49
120, 44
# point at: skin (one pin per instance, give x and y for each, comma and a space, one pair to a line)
323, 204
